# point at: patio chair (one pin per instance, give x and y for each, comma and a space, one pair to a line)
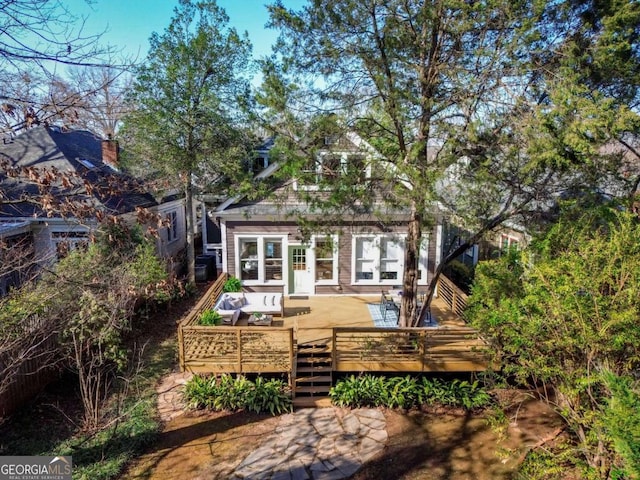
428, 319
386, 305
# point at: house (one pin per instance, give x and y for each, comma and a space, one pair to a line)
16, 254
262, 243
55, 184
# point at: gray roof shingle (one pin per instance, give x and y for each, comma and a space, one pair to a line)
74, 152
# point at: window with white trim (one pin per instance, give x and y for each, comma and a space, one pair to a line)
328, 167
423, 262
260, 258
66, 242
326, 258
507, 242
172, 226
378, 259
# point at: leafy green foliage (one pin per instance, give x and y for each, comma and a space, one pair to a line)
187, 95
543, 464
237, 393
459, 393
559, 313
189, 114
268, 396
210, 317
361, 391
233, 284
89, 298
407, 392
621, 421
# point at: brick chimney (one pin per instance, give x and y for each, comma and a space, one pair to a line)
110, 152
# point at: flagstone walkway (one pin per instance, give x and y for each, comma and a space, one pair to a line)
317, 444
308, 444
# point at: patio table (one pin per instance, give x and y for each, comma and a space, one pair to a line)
263, 321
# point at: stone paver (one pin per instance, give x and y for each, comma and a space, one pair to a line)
317, 444
309, 444
170, 401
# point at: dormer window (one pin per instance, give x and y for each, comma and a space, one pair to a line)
329, 167
259, 163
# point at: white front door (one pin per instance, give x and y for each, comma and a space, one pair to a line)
301, 270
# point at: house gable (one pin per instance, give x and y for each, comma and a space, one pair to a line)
354, 253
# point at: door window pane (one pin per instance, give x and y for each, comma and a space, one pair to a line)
299, 260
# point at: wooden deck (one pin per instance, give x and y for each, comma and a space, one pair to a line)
343, 326
318, 315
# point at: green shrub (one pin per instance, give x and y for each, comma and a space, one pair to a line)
403, 392
233, 284
268, 396
407, 392
237, 393
621, 421
457, 393
210, 317
199, 391
362, 391
545, 464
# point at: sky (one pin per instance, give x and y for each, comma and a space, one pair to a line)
130, 23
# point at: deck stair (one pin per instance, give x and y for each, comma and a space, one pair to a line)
313, 374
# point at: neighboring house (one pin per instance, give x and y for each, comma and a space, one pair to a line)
260, 166
16, 254
260, 241
505, 238
83, 170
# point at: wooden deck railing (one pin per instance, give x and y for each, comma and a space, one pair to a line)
455, 298
457, 349
251, 349
224, 349
237, 349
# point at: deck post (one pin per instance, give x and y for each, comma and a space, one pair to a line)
334, 353
292, 364
423, 349
239, 345
181, 348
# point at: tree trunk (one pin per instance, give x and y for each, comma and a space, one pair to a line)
431, 288
410, 279
420, 318
191, 254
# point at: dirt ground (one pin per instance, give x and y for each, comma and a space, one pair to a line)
422, 445
431, 445
428, 445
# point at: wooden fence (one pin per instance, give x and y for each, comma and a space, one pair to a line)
232, 349
455, 298
448, 349
27, 368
